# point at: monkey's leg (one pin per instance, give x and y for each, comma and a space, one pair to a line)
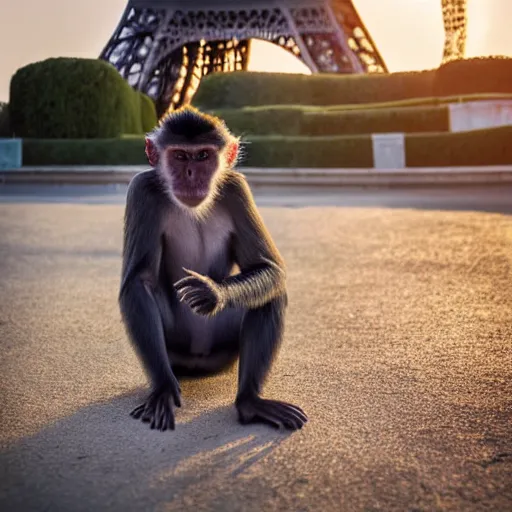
149, 318
261, 333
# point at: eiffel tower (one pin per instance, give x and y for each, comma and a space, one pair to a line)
165, 47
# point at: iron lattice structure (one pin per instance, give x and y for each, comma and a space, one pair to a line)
455, 18
165, 47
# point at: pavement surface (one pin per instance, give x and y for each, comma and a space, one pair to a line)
494, 198
398, 346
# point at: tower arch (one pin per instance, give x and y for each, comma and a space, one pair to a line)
163, 47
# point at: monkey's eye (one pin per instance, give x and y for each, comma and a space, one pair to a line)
180, 155
202, 155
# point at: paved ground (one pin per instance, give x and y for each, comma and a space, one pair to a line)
495, 198
398, 346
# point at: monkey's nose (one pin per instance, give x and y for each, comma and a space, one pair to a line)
189, 173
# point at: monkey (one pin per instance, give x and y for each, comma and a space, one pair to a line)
203, 284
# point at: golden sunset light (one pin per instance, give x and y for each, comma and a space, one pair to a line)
408, 33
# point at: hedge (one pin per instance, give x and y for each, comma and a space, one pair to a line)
403, 120
118, 151
242, 88
5, 125
295, 121
431, 101
289, 119
73, 98
148, 115
285, 120
282, 151
480, 147
481, 74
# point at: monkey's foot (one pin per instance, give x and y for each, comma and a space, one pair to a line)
158, 409
272, 412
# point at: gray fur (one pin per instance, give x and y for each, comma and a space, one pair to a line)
173, 259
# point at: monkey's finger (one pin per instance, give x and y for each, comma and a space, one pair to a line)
170, 423
176, 394
204, 309
168, 417
198, 300
295, 409
193, 296
157, 418
199, 289
149, 410
147, 416
269, 419
165, 411
195, 274
137, 412
193, 277
288, 415
187, 281
286, 406
293, 420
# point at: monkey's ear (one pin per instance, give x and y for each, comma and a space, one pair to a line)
232, 152
151, 152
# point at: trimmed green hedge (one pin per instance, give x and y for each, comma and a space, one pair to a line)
431, 101
296, 121
242, 88
280, 151
282, 120
148, 115
74, 98
482, 74
5, 125
403, 120
118, 151
481, 147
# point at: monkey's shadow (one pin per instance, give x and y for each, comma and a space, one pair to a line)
100, 458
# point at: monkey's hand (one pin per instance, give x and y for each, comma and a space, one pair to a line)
158, 408
272, 412
202, 294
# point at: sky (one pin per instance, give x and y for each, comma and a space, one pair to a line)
408, 33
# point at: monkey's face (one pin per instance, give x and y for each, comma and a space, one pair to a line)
190, 171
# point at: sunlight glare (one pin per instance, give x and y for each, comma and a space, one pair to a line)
271, 58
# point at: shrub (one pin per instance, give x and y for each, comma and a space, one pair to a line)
415, 102
121, 151
403, 120
72, 98
297, 121
481, 147
242, 88
283, 120
280, 151
5, 125
478, 75
147, 113
303, 119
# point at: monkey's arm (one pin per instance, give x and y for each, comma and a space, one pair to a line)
262, 275
262, 272
141, 260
